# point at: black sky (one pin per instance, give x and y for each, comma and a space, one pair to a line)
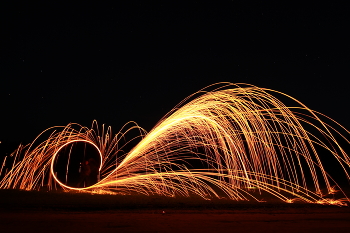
136, 61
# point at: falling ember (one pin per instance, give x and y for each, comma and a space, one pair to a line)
234, 140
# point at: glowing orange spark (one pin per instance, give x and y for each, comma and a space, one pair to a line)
232, 141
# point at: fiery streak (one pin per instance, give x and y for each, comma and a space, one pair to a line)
223, 142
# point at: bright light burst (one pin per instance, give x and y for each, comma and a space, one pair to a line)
233, 140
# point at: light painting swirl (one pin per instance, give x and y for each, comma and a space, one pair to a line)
222, 141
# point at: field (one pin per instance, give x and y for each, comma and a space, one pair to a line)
23, 211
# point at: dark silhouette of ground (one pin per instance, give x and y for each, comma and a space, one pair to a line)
22, 211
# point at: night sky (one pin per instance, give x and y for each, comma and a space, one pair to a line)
136, 61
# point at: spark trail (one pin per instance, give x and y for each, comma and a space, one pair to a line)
224, 140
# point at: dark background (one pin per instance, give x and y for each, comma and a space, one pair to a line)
137, 60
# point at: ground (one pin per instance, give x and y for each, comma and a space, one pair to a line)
37, 212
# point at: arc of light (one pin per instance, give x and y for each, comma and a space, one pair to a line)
54, 157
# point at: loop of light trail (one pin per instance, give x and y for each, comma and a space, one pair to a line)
224, 140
